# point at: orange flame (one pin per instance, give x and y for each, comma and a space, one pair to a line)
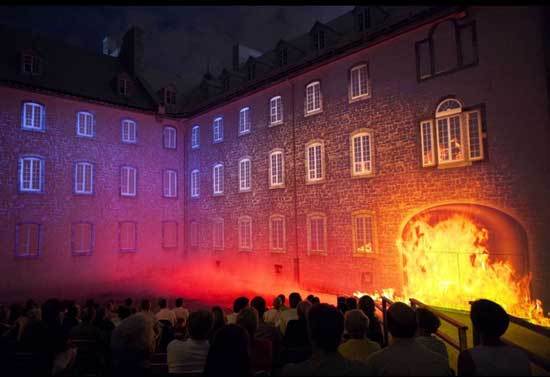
447, 265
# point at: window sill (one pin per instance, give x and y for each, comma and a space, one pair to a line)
169, 197
85, 136
245, 133
318, 182
132, 251
129, 142
246, 251
195, 197
281, 251
316, 253
43, 130
245, 190
193, 148
455, 164
217, 141
359, 98
312, 113
217, 249
31, 192
275, 124
170, 148
81, 254
128, 196
362, 176
218, 194
372, 255
275, 187
20, 256
83, 193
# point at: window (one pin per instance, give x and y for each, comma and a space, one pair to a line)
27, 240
169, 138
251, 70
195, 183
316, 234
359, 82
217, 179
245, 233
276, 110
195, 137
170, 184
314, 162
33, 117
458, 136
83, 178
361, 153
82, 238
129, 131
319, 40
217, 130
127, 236
276, 168
450, 46
32, 64
283, 56
277, 233
31, 174
193, 233
169, 234
128, 178
244, 121
217, 234
245, 174
363, 240
85, 124
313, 97
169, 96
122, 87
363, 19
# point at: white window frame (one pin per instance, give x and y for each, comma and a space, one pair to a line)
27, 252
193, 233
33, 108
170, 183
195, 183
310, 218
244, 121
195, 137
218, 222
170, 137
355, 233
79, 249
125, 181
217, 130
34, 62
275, 110
33, 161
80, 184
122, 86
245, 174
313, 95
363, 92
86, 129
321, 160
245, 221
273, 173
218, 179
272, 245
165, 245
129, 137
367, 166
135, 233
427, 143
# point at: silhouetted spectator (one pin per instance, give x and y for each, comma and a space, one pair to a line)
428, 323
297, 345
282, 298
404, 356
219, 320
261, 354
310, 298
341, 304
229, 354
294, 299
145, 306
181, 313
165, 314
129, 304
358, 347
492, 357
351, 303
366, 305
267, 331
239, 304
326, 325
71, 318
273, 315
189, 356
123, 312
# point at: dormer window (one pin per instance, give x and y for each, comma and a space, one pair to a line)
169, 96
251, 70
363, 19
32, 64
319, 40
225, 82
283, 56
122, 86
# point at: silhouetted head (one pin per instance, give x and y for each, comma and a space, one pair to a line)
277, 303
326, 325
163, 303
401, 320
128, 302
248, 319
50, 311
427, 321
310, 298
124, 312
366, 304
258, 303
294, 299
303, 308
179, 302
351, 303
145, 305
228, 354
239, 304
72, 310
88, 314
316, 300
489, 318
341, 304
282, 297
356, 323
200, 324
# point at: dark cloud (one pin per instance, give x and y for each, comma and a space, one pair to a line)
178, 39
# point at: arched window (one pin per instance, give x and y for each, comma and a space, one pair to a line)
315, 165
361, 143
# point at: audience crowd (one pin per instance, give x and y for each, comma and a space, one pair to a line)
305, 338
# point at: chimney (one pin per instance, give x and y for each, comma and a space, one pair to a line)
131, 52
110, 47
241, 54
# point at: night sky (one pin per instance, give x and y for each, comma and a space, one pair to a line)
178, 39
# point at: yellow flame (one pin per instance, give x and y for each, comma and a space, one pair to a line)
447, 265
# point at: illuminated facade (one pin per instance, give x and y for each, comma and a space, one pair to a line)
312, 162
